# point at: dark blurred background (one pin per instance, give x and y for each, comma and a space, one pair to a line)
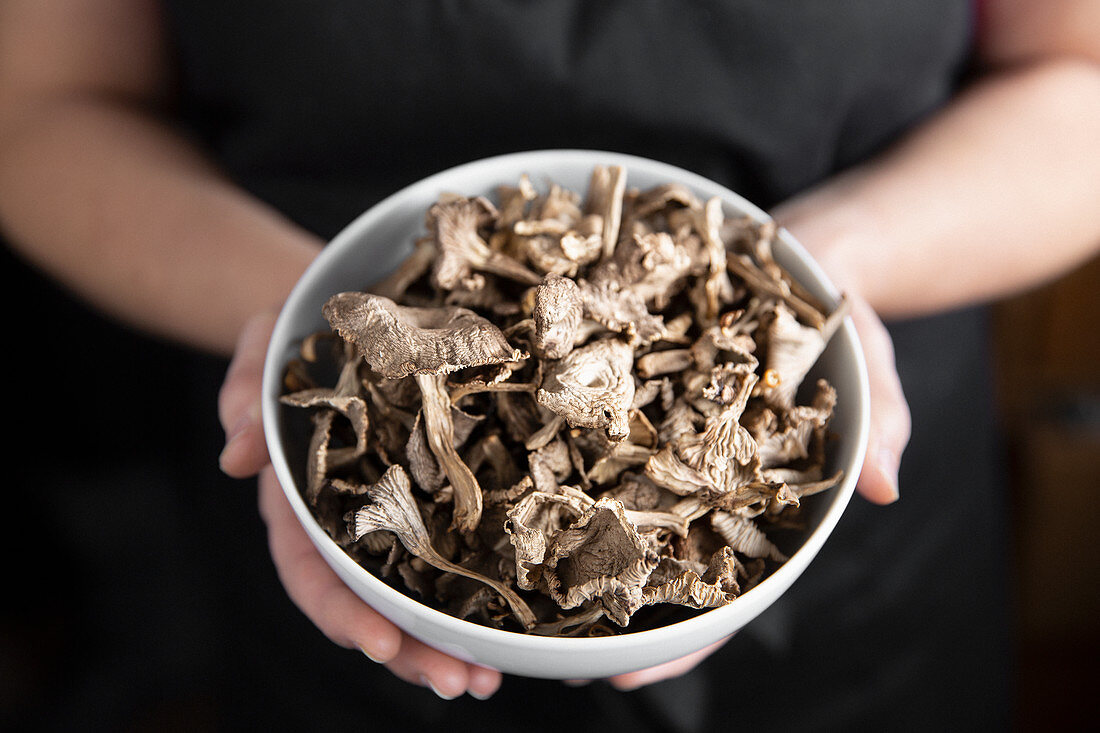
141, 595
1047, 344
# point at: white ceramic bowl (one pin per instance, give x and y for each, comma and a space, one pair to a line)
373, 244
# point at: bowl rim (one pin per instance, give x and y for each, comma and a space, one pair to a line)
755, 598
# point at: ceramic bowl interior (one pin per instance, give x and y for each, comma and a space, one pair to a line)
374, 244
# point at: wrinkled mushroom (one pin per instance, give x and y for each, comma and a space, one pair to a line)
622, 310
592, 387
345, 398
716, 284
397, 341
602, 557
532, 523
605, 198
559, 239
557, 316
680, 583
439, 427
461, 250
393, 508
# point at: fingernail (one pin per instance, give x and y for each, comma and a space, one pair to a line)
478, 695
428, 683
370, 656
232, 438
226, 451
250, 417
238, 427
888, 462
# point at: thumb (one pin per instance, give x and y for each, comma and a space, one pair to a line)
245, 451
890, 419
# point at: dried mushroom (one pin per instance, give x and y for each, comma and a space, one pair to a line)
393, 508
564, 411
397, 341
592, 387
557, 316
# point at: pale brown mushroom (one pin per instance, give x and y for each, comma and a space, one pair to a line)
657, 199
557, 316
439, 428
461, 251
393, 508
558, 238
661, 268
744, 536
549, 465
666, 469
618, 308
346, 398
397, 341
411, 269
688, 584
592, 387
531, 524
670, 361
618, 457
605, 198
716, 285
602, 557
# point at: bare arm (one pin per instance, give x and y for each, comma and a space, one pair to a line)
998, 192
105, 196
100, 193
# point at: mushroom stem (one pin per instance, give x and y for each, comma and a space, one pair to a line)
475, 387
743, 267
393, 508
436, 408
605, 197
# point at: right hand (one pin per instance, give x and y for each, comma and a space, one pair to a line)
313, 586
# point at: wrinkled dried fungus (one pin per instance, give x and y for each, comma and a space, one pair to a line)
566, 409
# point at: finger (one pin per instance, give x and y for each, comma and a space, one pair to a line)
420, 664
245, 452
890, 418
243, 377
315, 588
668, 670
483, 682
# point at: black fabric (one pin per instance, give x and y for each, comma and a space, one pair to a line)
155, 581
324, 106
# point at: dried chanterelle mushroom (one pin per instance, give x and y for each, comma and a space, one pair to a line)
565, 409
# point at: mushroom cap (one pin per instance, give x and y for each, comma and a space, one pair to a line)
557, 316
397, 341
593, 387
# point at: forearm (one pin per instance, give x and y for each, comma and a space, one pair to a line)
129, 215
998, 192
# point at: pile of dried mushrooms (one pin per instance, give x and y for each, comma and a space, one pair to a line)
561, 409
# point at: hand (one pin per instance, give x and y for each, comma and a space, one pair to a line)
828, 237
309, 581
890, 420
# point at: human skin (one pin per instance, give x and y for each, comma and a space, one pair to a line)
99, 191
